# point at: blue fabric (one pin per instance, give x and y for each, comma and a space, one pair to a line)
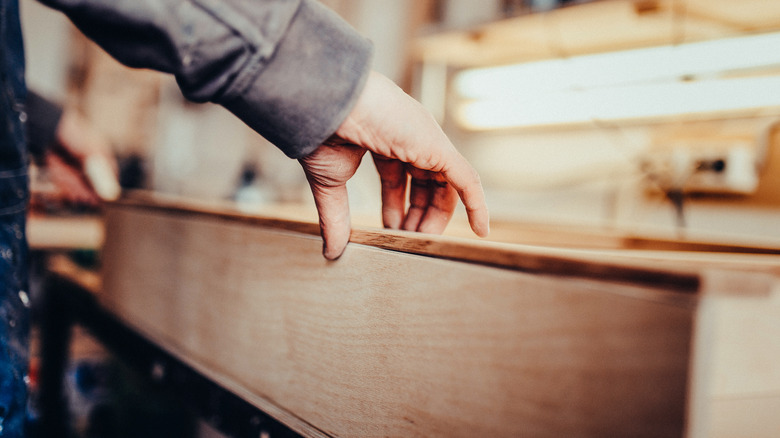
14, 326
14, 315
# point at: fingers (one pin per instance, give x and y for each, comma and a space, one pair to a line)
392, 176
70, 182
432, 200
433, 197
333, 209
391, 124
465, 180
327, 170
431, 203
443, 200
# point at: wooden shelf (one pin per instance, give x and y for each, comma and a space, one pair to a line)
596, 27
64, 232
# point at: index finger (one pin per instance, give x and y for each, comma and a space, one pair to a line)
465, 179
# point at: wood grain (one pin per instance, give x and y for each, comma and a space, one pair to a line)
597, 27
387, 343
557, 261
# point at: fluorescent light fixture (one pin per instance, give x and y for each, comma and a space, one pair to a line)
652, 82
618, 68
622, 103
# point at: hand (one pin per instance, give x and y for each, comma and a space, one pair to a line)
78, 146
406, 144
70, 187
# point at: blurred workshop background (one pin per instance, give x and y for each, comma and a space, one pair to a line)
650, 116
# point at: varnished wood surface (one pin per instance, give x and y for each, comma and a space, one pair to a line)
384, 343
417, 335
537, 259
557, 250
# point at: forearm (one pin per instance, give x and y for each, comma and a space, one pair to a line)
291, 70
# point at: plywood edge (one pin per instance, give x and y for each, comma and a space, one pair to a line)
526, 258
589, 237
732, 370
699, 406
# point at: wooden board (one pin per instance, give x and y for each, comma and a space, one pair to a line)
597, 27
382, 343
417, 335
737, 358
52, 233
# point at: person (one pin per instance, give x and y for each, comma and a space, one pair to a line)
290, 69
61, 141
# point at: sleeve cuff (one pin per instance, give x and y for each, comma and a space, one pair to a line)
310, 85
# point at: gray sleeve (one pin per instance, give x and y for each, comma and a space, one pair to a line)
290, 69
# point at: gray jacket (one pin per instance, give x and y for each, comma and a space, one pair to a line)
290, 69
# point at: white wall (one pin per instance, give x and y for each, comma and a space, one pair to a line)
46, 35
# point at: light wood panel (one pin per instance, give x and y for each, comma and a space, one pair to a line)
382, 343
54, 233
596, 27
515, 245
516, 257
418, 335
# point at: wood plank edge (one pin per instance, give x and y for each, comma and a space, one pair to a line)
524, 258
531, 259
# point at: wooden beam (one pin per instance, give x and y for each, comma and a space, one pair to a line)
382, 343
597, 27
415, 335
515, 257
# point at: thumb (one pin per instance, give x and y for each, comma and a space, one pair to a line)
333, 209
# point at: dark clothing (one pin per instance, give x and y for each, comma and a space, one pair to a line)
13, 155
13, 201
43, 116
290, 69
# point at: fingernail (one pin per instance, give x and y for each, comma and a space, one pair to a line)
392, 220
486, 229
482, 230
330, 254
394, 223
